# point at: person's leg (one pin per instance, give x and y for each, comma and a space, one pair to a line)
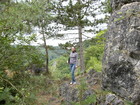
72, 72
71, 65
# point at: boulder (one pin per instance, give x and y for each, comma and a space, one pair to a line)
113, 100
93, 78
71, 94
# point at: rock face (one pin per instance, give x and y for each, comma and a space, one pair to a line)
116, 4
113, 100
121, 63
71, 94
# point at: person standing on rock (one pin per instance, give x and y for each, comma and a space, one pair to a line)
73, 61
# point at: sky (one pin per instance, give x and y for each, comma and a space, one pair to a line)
70, 35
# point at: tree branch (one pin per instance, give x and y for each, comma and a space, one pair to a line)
12, 86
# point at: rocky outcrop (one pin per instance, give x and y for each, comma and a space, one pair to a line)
82, 90
71, 94
88, 93
112, 99
121, 63
116, 4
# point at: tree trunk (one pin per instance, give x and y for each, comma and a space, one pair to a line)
46, 51
82, 64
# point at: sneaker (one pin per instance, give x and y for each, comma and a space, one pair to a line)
74, 83
71, 83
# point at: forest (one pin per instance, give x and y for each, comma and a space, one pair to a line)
31, 73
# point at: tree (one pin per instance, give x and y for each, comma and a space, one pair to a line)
42, 19
12, 27
75, 15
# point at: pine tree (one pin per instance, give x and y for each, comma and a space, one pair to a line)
42, 19
75, 15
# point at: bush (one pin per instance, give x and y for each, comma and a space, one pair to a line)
95, 64
93, 54
23, 89
107, 6
93, 57
60, 68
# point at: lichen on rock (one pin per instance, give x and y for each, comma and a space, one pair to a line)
116, 4
121, 63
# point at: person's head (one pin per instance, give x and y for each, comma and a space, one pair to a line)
73, 49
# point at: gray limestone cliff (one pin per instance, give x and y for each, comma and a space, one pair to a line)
121, 63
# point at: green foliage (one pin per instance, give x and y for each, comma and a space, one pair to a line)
4, 95
60, 68
19, 57
24, 88
93, 57
15, 26
74, 14
13, 22
107, 6
83, 85
82, 88
89, 100
95, 64
94, 53
100, 39
128, 103
17, 23
16, 58
14, 95
54, 52
118, 19
127, 14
